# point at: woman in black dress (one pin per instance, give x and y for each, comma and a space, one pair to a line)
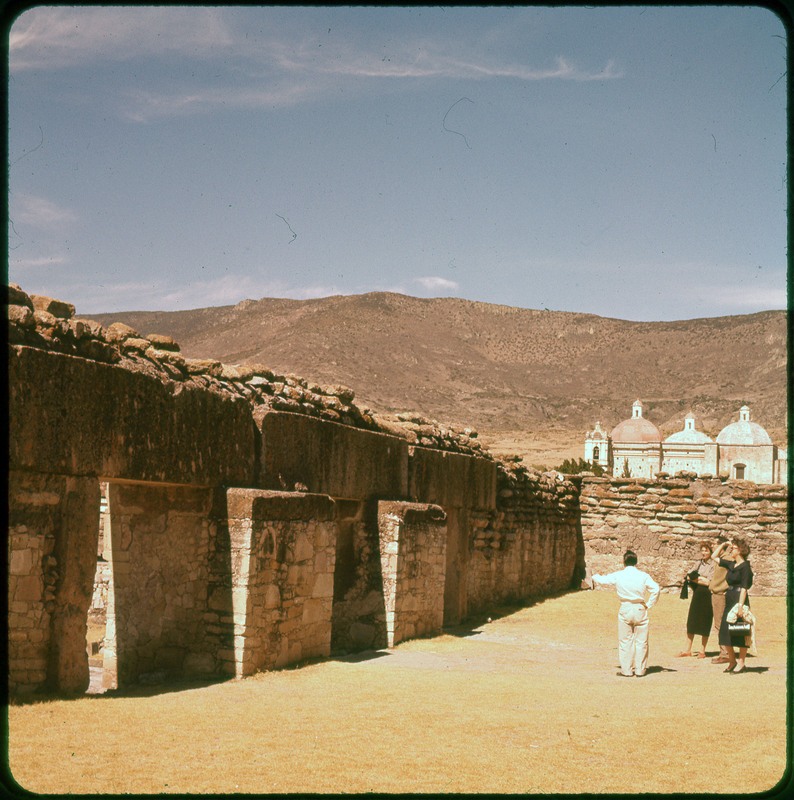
740, 579
698, 621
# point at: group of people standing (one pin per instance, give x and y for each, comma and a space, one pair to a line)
720, 581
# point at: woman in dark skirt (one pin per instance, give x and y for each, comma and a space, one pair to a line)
740, 579
698, 621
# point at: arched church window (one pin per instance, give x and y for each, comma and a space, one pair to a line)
596, 453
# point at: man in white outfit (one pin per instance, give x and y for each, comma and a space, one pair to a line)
637, 592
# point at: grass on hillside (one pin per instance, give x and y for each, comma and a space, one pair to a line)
528, 702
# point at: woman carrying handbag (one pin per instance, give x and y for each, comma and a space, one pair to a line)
740, 579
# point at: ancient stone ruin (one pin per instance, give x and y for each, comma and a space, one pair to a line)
224, 519
251, 520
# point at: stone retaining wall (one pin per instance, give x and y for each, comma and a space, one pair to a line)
283, 549
413, 565
664, 520
53, 528
166, 621
530, 546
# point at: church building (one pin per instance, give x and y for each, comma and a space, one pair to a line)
742, 451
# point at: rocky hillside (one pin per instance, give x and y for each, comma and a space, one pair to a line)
526, 379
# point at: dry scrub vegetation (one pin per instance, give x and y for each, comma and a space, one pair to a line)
544, 449
527, 703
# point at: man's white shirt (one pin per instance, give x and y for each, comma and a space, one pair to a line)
631, 584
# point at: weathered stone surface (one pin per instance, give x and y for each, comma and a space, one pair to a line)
82, 329
163, 342
45, 319
237, 372
136, 344
117, 332
162, 626
195, 437
345, 394
21, 315
283, 552
171, 357
450, 479
98, 351
15, 296
57, 308
203, 366
666, 534
328, 458
412, 544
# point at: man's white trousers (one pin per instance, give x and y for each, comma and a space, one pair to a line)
633, 638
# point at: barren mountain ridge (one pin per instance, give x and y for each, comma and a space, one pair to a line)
532, 382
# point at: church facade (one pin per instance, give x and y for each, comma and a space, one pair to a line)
634, 447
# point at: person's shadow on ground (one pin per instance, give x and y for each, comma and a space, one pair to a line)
652, 670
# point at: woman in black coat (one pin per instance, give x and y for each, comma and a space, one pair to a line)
698, 621
740, 579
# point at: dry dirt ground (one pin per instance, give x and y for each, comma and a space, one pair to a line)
527, 702
540, 450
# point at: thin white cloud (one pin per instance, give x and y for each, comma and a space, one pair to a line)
269, 72
141, 106
304, 78
34, 263
434, 284
55, 37
226, 290
39, 212
155, 296
429, 65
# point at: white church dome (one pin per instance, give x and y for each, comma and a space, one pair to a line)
636, 429
743, 431
689, 435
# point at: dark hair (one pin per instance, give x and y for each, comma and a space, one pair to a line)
743, 547
630, 558
707, 545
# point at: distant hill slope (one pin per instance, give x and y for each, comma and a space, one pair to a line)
499, 368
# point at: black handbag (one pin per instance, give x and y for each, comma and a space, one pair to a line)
684, 592
739, 628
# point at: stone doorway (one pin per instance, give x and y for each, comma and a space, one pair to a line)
100, 636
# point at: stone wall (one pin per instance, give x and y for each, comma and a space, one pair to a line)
531, 545
283, 549
664, 520
413, 565
74, 416
164, 621
53, 527
359, 612
257, 520
318, 456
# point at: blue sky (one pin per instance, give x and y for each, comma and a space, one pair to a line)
628, 162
